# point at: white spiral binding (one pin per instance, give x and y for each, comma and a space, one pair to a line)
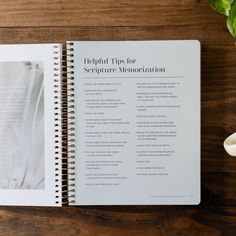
70, 124
58, 128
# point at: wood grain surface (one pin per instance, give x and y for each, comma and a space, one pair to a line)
43, 21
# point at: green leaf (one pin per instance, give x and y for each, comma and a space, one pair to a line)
222, 6
231, 21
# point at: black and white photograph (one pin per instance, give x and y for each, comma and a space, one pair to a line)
22, 125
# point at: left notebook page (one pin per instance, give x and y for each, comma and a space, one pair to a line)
29, 125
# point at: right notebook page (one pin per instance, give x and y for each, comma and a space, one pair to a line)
137, 122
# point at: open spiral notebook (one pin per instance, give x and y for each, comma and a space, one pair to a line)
100, 123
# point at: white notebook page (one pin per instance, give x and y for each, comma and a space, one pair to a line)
27, 142
137, 107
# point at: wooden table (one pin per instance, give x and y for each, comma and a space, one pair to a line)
43, 21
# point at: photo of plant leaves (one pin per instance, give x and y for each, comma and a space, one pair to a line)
21, 125
228, 8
